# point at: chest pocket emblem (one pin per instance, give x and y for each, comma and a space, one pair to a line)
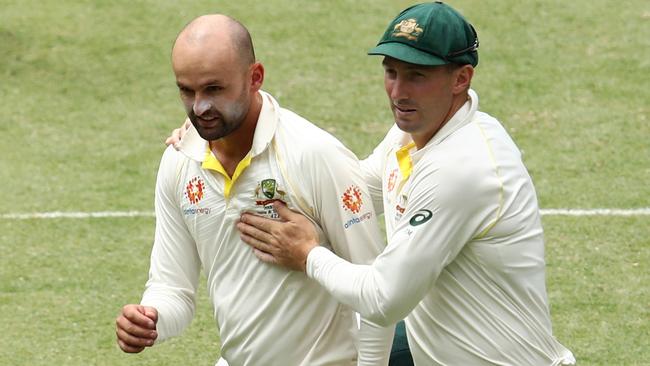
269, 189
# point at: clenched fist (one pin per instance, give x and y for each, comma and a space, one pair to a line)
136, 327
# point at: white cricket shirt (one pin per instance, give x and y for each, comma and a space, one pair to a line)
465, 257
266, 315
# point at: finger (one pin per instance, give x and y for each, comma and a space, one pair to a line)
186, 126
151, 313
264, 256
176, 135
256, 232
129, 349
133, 340
136, 315
126, 326
283, 211
259, 222
257, 244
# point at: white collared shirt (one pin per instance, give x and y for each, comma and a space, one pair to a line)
266, 315
465, 257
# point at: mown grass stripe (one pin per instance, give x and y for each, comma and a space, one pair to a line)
76, 215
645, 211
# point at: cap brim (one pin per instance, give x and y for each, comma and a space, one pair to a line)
406, 53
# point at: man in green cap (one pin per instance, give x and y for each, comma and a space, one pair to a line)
464, 262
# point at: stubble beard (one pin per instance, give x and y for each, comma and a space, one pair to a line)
226, 123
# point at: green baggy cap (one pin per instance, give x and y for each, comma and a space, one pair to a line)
430, 34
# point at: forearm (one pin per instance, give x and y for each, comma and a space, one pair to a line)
175, 264
374, 343
357, 286
175, 310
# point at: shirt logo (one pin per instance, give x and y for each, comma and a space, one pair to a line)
268, 187
267, 191
392, 179
400, 207
420, 217
407, 28
352, 199
194, 190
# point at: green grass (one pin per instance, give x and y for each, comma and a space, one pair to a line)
63, 284
597, 278
87, 96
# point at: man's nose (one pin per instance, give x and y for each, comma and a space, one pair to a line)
398, 89
201, 106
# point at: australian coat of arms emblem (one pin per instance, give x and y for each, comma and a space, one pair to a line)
408, 28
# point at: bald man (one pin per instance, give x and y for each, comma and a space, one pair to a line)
243, 153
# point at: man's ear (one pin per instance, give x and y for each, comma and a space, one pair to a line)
463, 78
257, 77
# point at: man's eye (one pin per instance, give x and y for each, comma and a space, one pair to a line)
213, 88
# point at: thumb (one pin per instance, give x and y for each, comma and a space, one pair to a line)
151, 313
285, 213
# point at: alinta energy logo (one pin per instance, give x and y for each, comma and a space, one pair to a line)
194, 190
352, 199
353, 202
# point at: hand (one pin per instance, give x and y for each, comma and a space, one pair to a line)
286, 242
136, 328
178, 133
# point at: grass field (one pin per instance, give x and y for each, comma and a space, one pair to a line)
87, 96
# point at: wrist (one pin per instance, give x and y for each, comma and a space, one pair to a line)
305, 255
312, 259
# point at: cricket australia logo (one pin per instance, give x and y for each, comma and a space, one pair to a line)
267, 192
408, 28
194, 190
352, 199
268, 189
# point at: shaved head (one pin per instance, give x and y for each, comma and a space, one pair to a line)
219, 30
217, 75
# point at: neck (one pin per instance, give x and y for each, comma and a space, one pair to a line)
456, 103
231, 149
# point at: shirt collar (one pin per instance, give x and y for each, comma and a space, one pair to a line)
194, 146
462, 117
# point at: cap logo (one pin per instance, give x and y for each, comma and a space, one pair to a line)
408, 28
